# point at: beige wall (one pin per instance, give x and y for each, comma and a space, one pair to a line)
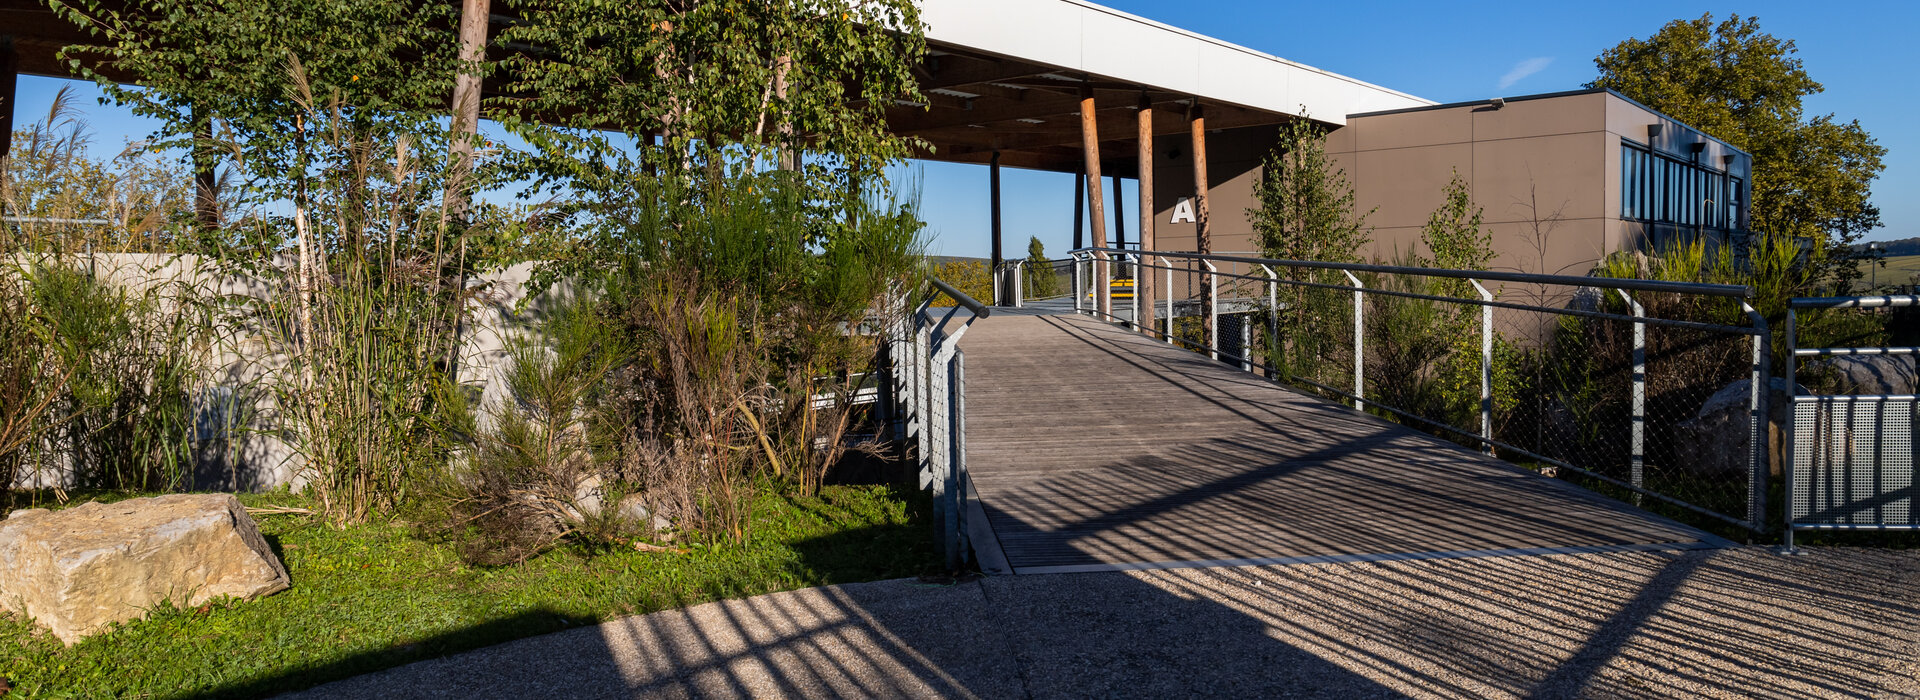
1538, 169
1545, 172
1233, 169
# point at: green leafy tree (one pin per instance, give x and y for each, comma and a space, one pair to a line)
704, 81
1304, 210
1812, 175
1454, 235
1305, 204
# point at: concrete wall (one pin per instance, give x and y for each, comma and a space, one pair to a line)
234, 439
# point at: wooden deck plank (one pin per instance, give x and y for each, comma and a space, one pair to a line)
1092, 445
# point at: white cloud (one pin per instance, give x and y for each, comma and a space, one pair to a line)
1523, 69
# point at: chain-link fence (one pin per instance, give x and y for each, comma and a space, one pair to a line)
1648, 391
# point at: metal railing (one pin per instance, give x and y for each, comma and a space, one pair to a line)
1634, 384
926, 402
1849, 457
1017, 282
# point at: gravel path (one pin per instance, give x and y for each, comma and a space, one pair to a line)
1714, 623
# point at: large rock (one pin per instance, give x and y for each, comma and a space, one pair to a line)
1869, 375
1714, 442
79, 570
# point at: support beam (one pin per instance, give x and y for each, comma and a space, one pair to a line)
206, 185
1079, 210
1143, 283
1119, 213
1203, 232
1097, 209
466, 107
1000, 292
9, 90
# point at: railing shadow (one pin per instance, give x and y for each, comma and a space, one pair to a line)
1648, 624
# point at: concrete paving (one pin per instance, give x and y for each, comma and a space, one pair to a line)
1742, 622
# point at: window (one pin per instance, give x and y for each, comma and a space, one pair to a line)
1657, 188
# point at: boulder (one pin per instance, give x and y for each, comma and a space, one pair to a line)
589, 495
1870, 375
1714, 442
79, 570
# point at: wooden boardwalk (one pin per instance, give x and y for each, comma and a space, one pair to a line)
1091, 447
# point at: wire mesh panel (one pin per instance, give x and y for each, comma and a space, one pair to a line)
1853, 461
1850, 431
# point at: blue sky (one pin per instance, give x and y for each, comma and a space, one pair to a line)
1863, 52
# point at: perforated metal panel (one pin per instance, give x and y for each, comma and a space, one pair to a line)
1853, 461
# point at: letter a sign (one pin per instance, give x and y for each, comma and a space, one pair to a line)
1182, 211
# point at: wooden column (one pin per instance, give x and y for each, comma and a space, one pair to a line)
1096, 201
9, 87
206, 184
1143, 283
1079, 211
1001, 292
466, 107
1203, 233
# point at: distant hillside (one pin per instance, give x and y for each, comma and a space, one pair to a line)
1905, 246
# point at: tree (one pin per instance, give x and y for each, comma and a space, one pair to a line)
1453, 233
1812, 176
716, 78
1304, 205
1039, 274
1305, 211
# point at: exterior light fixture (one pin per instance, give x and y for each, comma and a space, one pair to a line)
1498, 102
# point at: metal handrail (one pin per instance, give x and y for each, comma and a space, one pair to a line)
1484, 301
1719, 290
971, 304
1854, 302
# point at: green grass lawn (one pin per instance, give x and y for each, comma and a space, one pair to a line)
376, 596
1900, 269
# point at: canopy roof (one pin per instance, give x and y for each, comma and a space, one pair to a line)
1007, 76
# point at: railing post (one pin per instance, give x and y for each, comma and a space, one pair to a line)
1246, 341
1359, 339
1076, 282
1019, 284
1213, 311
1486, 365
1134, 323
1638, 456
1103, 276
1168, 293
1759, 444
950, 501
1788, 429
1273, 314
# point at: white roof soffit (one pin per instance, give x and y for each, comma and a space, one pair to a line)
1087, 38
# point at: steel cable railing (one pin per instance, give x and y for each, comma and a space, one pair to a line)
926, 402
1650, 390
